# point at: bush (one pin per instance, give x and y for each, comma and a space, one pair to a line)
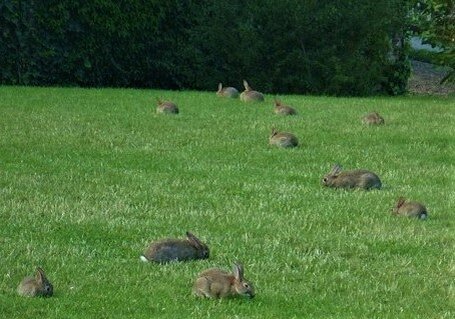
333, 47
434, 22
424, 56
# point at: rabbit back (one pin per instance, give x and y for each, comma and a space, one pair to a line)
214, 283
282, 109
229, 91
373, 118
285, 110
251, 96
217, 283
360, 178
169, 250
28, 287
412, 209
167, 107
284, 140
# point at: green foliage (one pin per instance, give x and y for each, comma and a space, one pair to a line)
328, 47
92, 43
424, 56
434, 21
90, 176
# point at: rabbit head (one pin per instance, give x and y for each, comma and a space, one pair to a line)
38, 286
274, 132
399, 203
330, 178
247, 86
202, 249
241, 286
46, 287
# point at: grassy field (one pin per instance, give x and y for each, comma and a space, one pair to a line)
89, 177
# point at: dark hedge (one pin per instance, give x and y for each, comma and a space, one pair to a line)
318, 47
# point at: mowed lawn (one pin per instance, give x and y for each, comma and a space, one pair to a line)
88, 177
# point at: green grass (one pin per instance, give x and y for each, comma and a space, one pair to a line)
89, 177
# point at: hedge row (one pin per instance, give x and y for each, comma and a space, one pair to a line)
318, 47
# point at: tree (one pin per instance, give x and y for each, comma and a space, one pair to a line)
434, 22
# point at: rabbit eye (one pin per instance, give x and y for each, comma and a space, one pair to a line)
325, 179
246, 285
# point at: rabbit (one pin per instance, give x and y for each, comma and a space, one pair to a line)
166, 107
217, 283
373, 118
38, 286
281, 109
410, 209
227, 91
171, 249
249, 95
283, 139
351, 179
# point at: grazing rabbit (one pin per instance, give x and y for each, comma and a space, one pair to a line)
373, 118
227, 91
166, 107
249, 95
168, 250
410, 209
38, 286
217, 283
351, 179
281, 109
283, 139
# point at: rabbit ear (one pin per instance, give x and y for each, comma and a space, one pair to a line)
194, 240
274, 131
336, 169
400, 201
159, 101
246, 85
237, 269
277, 102
220, 87
40, 276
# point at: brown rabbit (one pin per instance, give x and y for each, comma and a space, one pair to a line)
249, 95
167, 250
410, 209
38, 286
217, 283
282, 109
351, 179
373, 118
227, 91
166, 107
283, 139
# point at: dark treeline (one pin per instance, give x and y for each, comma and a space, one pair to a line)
318, 47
